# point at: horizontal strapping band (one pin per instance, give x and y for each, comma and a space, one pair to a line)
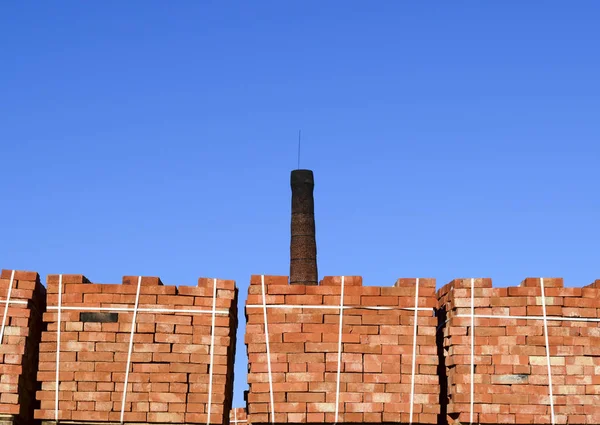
14, 302
142, 310
337, 307
557, 318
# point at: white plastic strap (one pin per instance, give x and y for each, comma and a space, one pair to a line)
264, 306
414, 354
212, 350
472, 381
548, 318
339, 364
139, 310
335, 307
13, 302
58, 347
137, 301
547, 352
10, 285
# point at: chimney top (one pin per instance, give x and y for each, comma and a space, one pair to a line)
303, 246
302, 177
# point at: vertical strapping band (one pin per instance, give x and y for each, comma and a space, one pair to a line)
472, 349
10, 285
547, 352
212, 350
414, 354
339, 360
135, 310
58, 347
264, 299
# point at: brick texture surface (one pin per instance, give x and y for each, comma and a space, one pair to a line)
238, 415
169, 377
22, 320
511, 380
376, 361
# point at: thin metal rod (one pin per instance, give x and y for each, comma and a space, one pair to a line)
299, 141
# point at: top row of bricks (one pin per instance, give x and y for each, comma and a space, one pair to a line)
54, 279
283, 280
337, 281
530, 282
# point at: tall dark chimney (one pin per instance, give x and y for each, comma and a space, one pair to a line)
303, 247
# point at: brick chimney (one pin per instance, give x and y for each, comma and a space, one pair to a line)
303, 247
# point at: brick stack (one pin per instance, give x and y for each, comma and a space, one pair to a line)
19, 345
376, 352
168, 379
238, 415
511, 382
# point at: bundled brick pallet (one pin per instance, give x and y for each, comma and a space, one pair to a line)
177, 359
371, 371
527, 354
238, 415
22, 301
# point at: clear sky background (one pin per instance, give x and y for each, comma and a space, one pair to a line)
448, 139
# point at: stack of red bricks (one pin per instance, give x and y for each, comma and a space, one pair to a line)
238, 415
376, 363
510, 378
169, 379
22, 301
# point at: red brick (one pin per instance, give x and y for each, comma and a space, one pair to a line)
513, 388
101, 350
311, 342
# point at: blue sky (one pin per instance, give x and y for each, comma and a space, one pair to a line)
447, 139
